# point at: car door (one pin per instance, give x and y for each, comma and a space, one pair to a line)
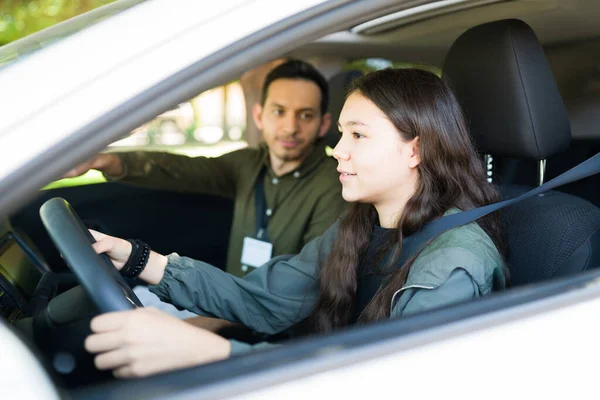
191, 224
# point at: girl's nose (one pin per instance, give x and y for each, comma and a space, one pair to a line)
340, 152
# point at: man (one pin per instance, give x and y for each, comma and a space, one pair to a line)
300, 194
252, 83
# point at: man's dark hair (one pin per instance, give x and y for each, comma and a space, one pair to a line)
296, 69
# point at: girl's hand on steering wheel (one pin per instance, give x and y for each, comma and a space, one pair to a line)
146, 341
118, 250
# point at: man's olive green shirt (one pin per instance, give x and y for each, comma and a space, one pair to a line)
304, 202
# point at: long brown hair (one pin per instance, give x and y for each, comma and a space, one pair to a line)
451, 174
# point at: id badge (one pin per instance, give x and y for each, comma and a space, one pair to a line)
256, 252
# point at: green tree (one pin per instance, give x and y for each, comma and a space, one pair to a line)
367, 65
19, 18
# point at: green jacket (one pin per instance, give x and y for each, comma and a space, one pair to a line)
460, 264
305, 201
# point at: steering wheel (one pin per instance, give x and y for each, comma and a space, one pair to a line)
97, 275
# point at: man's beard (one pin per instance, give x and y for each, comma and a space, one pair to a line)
291, 157
298, 153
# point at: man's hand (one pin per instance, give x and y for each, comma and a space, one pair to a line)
146, 341
108, 164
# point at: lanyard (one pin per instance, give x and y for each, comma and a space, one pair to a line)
261, 206
263, 212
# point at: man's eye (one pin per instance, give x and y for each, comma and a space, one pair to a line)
277, 111
306, 116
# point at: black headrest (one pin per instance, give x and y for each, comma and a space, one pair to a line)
338, 85
504, 83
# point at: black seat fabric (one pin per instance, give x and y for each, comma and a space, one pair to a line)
508, 170
552, 235
508, 93
507, 90
338, 85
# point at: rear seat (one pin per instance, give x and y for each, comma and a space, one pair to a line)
584, 116
579, 151
512, 171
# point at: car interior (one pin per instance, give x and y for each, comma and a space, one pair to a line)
527, 74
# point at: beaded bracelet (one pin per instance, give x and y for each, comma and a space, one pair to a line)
138, 259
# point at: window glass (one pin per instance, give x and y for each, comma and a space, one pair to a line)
373, 64
211, 124
37, 23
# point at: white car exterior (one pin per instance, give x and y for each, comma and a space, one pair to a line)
54, 105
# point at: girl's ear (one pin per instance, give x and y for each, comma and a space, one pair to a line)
414, 158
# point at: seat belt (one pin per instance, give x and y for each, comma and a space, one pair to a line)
436, 227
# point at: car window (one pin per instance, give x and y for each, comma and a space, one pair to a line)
210, 124
24, 19
373, 64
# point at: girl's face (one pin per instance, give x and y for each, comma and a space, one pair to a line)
376, 165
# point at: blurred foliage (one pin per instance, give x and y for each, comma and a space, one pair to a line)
366, 65
89, 178
19, 18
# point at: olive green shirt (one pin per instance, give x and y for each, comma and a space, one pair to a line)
304, 202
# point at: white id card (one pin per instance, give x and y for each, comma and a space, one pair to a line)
256, 252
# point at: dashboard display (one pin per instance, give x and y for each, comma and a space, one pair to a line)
18, 277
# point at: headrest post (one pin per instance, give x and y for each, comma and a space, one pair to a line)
541, 171
489, 166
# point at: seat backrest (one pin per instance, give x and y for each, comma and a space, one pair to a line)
504, 83
338, 86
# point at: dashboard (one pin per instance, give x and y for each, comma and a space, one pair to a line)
49, 310
21, 269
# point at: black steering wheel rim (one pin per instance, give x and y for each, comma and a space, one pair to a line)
97, 275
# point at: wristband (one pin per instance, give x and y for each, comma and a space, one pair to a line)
138, 259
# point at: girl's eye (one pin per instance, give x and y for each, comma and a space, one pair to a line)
357, 135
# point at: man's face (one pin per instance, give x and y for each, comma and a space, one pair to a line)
291, 119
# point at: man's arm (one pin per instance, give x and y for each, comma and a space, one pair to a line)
181, 173
159, 170
108, 164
